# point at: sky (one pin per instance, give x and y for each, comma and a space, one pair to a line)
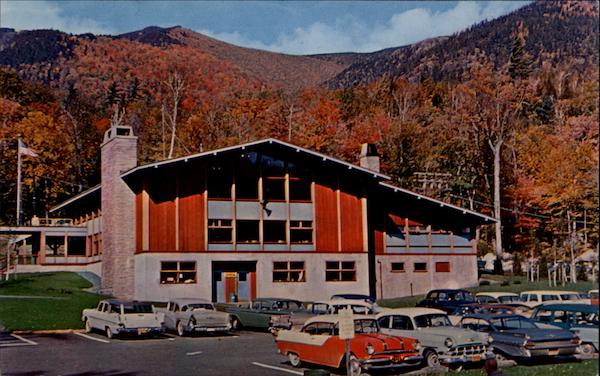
294, 27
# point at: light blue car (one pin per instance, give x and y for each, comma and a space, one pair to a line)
581, 319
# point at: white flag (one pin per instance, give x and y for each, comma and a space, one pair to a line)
24, 150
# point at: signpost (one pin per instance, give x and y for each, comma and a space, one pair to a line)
346, 332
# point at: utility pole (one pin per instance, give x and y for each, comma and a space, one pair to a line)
19, 181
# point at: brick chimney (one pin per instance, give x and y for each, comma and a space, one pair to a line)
118, 154
369, 157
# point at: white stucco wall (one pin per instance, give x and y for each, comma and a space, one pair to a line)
463, 273
148, 287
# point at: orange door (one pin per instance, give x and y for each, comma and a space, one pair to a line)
230, 286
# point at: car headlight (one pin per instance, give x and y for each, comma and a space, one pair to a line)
417, 345
370, 349
490, 340
448, 342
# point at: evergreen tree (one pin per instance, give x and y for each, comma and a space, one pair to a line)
519, 66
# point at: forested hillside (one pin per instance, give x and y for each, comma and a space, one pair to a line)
523, 88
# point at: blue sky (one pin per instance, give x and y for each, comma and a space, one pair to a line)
302, 27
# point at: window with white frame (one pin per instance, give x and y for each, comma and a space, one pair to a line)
339, 271
289, 271
177, 272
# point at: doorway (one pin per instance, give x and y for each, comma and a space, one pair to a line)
233, 281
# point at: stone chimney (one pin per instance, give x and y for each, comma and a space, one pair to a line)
369, 157
118, 154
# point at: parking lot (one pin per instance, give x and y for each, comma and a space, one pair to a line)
247, 353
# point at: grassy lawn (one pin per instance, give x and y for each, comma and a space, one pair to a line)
59, 307
505, 284
583, 368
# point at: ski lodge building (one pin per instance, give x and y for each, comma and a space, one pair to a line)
262, 219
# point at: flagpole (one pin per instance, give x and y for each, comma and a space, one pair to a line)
19, 182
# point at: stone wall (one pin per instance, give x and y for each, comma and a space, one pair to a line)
119, 154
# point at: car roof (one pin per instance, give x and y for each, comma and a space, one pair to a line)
121, 301
417, 311
334, 318
277, 299
553, 292
348, 302
448, 290
490, 316
182, 301
496, 294
588, 308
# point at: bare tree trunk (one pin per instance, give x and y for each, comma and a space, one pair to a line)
496, 149
176, 85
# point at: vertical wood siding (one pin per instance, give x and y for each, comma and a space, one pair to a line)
139, 221
351, 226
162, 214
326, 226
191, 213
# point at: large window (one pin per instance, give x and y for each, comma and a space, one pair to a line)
247, 231
301, 232
274, 189
172, 272
219, 182
246, 177
274, 232
288, 271
300, 189
220, 231
337, 271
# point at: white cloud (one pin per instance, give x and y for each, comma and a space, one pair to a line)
30, 15
354, 35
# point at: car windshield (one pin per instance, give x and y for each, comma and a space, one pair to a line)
432, 320
365, 326
508, 299
200, 306
137, 308
512, 322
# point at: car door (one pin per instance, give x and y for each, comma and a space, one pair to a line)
397, 325
170, 316
95, 316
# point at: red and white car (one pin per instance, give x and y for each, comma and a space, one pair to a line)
318, 342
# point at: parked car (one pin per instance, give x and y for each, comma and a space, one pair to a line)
116, 317
194, 315
364, 298
264, 313
441, 343
536, 297
497, 297
593, 296
318, 342
581, 319
447, 299
519, 338
513, 308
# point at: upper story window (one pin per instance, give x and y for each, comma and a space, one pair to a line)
301, 232
219, 182
274, 232
246, 177
220, 231
247, 231
274, 188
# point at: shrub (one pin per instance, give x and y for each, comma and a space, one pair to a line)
484, 283
516, 282
505, 283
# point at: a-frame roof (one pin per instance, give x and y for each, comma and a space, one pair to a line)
250, 146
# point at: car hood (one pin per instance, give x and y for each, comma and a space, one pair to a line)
458, 335
539, 334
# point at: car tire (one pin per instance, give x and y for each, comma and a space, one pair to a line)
355, 366
88, 326
180, 329
294, 359
587, 349
109, 333
235, 324
431, 358
501, 357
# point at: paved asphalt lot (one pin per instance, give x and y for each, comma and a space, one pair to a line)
93, 355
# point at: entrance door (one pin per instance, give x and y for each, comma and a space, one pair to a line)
233, 281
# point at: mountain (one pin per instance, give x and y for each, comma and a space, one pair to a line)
559, 32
